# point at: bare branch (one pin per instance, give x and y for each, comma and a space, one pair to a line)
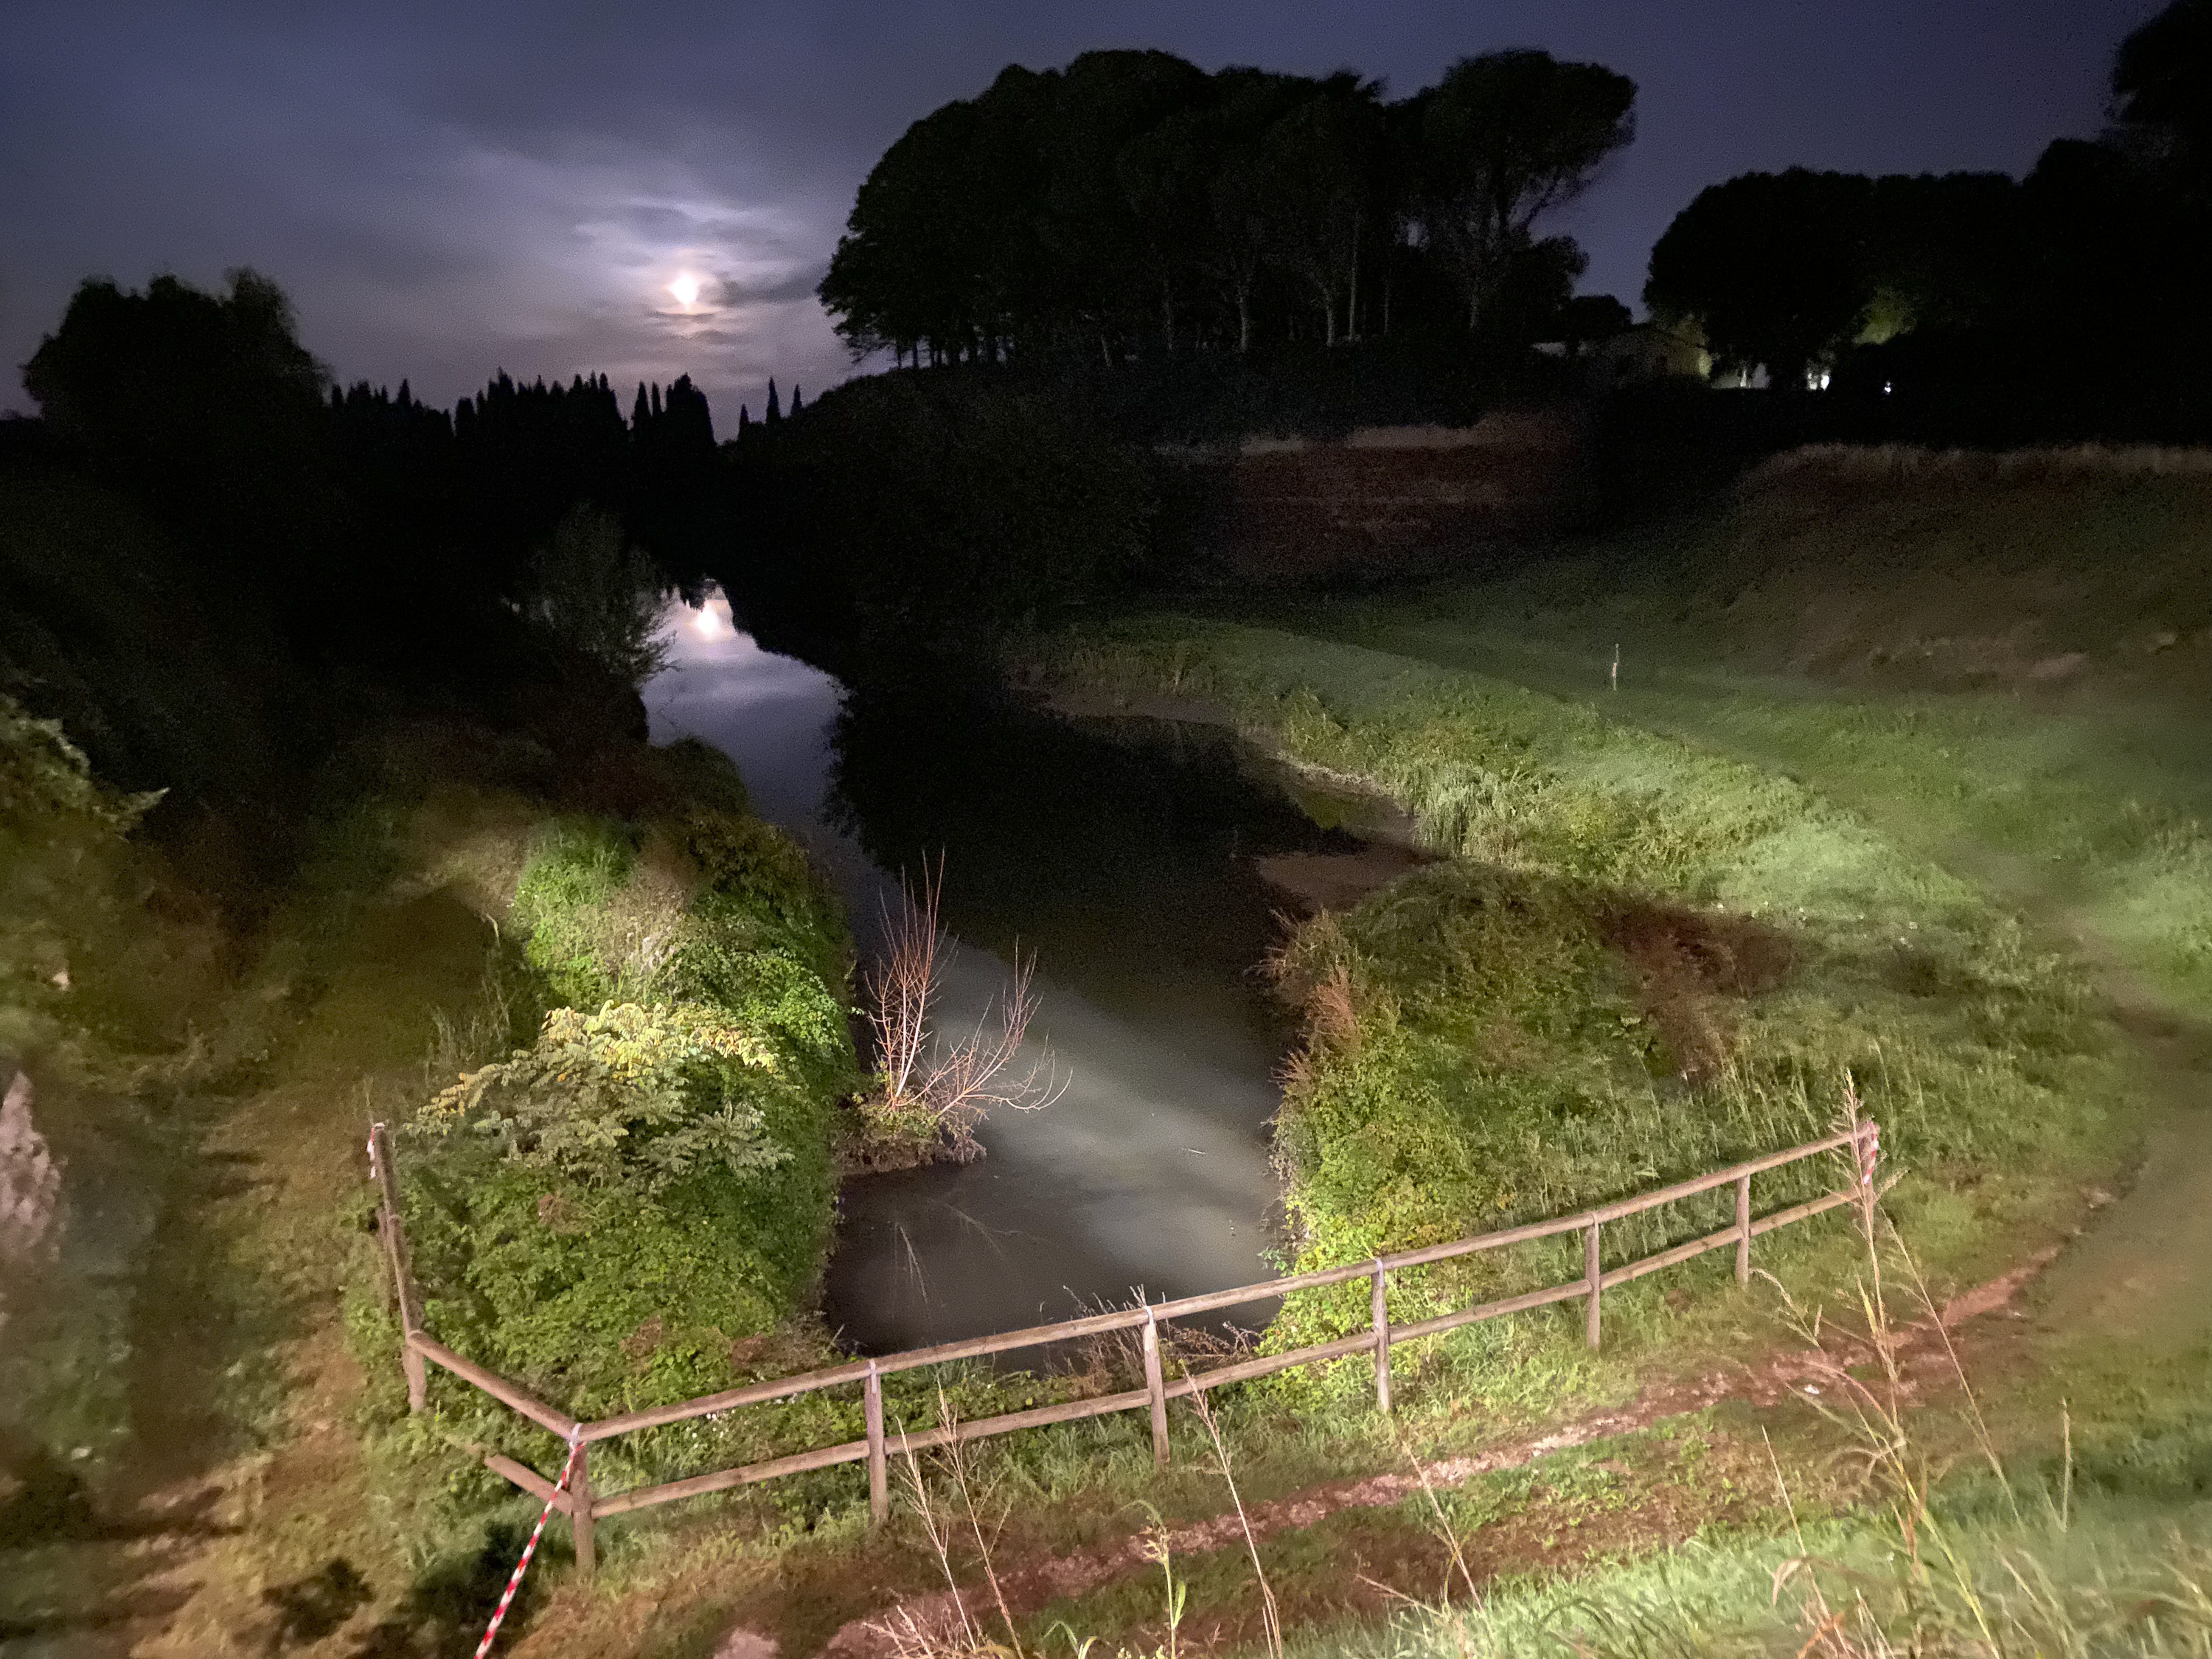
940, 1089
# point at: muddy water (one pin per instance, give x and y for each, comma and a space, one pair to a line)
1120, 855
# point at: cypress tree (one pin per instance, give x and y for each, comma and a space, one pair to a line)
774, 409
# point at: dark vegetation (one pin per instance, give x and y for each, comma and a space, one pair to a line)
324, 784
1087, 272
218, 565
1132, 203
1128, 253
2009, 309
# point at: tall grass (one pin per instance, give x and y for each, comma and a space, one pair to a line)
1995, 1563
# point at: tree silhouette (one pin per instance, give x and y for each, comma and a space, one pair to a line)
1315, 191
206, 408
2162, 95
1504, 139
1130, 201
1771, 266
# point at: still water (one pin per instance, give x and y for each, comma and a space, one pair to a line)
1120, 855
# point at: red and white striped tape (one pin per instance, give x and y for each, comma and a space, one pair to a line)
575, 1450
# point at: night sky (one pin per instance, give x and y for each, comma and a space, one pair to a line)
450, 188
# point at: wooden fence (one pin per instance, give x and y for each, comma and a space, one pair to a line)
583, 1507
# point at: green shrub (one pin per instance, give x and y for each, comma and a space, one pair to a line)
599, 595
630, 1099
76, 959
621, 1214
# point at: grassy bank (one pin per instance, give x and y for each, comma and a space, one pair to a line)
2001, 663
1642, 960
621, 1195
1900, 778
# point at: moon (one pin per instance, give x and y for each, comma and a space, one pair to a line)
685, 287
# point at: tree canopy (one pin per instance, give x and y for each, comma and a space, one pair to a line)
2162, 95
1790, 269
1502, 140
2101, 243
1771, 266
367, 521
204, 405
1130, 201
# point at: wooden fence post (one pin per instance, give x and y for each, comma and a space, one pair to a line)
395, 1252
1381, 1342
1155, 1385
1593, 1277
580, 1515
879, 1486
1743, 1230
418, 1379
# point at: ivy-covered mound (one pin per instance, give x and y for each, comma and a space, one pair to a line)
608, 1215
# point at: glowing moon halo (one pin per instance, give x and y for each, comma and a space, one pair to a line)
686, 289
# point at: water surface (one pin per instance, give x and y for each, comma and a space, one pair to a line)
1119, 853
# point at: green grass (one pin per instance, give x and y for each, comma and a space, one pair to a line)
2092, 1543
2098, 805
1645, 960
2113, 1582
1834, 723
1879, 624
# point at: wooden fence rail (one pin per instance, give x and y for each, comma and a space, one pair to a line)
583, 1507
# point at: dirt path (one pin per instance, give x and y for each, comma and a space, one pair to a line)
229, 1516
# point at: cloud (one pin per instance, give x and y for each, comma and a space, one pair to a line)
795, 285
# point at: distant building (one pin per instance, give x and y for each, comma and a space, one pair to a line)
1753, 378
1644, 352
1649, 351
